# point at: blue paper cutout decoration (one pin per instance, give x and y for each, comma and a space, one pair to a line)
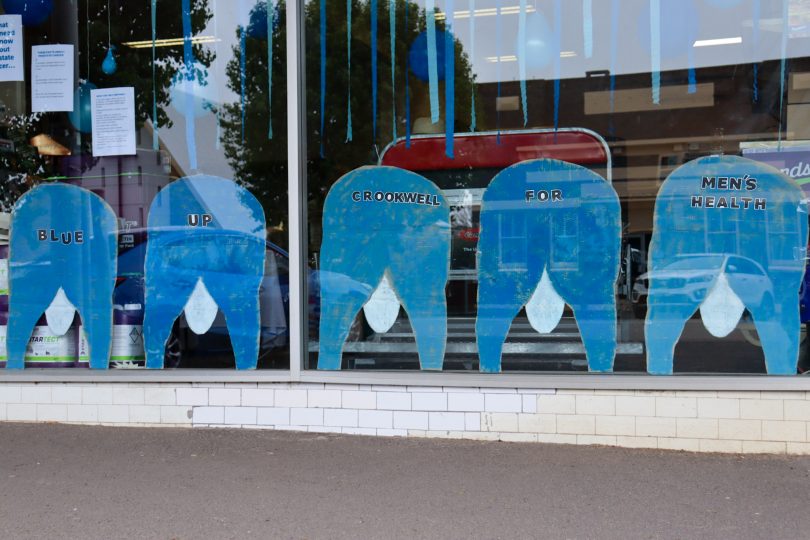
418, 56
33, 12
384, 221
737, 229
550, 234
205, 250
80, 117
432, 59
63, 244
108, 66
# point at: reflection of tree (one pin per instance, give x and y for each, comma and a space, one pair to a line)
131, 21
260, 164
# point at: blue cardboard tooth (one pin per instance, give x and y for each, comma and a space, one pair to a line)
211, 229
378, 220
731, 216
62, 236
554, 216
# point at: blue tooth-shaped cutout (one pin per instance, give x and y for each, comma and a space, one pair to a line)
109, 66
734, 216
557, 217
211, 229
62, 236
378, 220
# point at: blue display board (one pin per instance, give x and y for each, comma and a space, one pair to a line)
62, 258
729, 234
550, 235
205, 251
384, 221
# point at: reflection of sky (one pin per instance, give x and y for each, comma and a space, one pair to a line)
703, 18
227, 16
698, 20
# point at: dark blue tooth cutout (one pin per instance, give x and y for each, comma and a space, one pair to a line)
727, 225
379, 220
557, 217
210, 230
62, 236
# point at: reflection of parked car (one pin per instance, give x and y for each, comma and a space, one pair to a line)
185, 348
690, 276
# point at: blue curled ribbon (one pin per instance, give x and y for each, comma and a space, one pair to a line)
433, 68
655, 49
449, 79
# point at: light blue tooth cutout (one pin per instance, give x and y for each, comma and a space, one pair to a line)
737, 229
206, 242
554, 218
379, 220
63, 237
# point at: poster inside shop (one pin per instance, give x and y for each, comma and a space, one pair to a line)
793, 158
52, 78
11, 48
112, 113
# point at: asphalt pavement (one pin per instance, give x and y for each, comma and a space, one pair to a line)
62, 481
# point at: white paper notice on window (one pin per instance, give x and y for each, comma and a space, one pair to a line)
11, 48
51, 78
113, 120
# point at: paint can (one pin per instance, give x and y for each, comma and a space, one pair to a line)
47, 350
126, 349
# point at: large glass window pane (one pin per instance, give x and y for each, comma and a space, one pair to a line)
649, 119
164, 125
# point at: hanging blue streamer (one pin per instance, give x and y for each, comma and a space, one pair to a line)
655, 49
782, 68
449, 79
374, 70
498, 71
690, 55
755, 46
242, 74
323, 73
472, 58
587, 26
188, 79
349, 134
614, 41
433, 67
271, 12
392, 22
155, 138
407, 89
522, 60
557, 66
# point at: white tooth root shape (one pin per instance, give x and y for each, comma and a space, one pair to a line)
722, 308
201, 309
60, 313
545, 307
382, 308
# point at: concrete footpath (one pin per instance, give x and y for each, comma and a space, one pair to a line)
63, 481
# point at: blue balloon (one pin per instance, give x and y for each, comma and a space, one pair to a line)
418, 57
34, 12
257, 26
109, 66
539, 46
80, 116
680, 24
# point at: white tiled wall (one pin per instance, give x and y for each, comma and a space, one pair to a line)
748, 422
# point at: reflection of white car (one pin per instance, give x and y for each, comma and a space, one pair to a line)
690, 276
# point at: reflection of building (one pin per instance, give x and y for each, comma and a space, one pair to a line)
127, 183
